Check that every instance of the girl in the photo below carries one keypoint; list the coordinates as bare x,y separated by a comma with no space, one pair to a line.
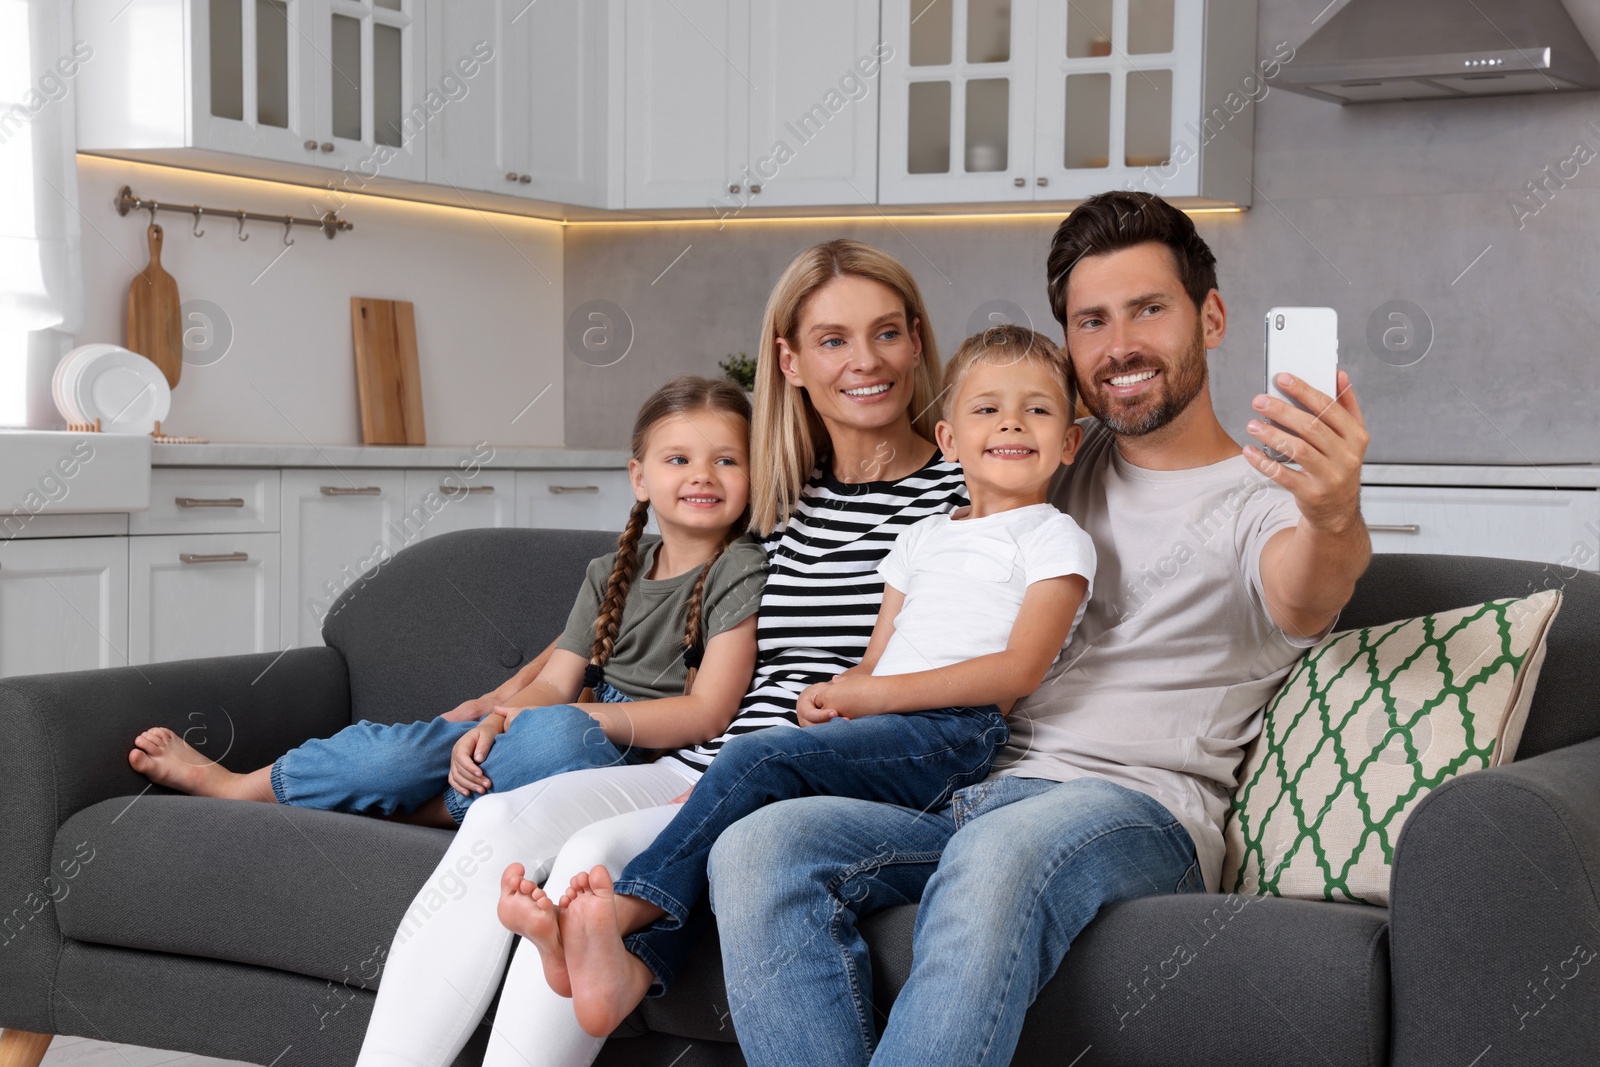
634,637
842,460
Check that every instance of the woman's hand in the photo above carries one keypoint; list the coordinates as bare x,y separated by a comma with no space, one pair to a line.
472,710
470,750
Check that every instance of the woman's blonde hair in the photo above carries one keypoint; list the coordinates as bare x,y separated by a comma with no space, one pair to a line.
683,394
787,437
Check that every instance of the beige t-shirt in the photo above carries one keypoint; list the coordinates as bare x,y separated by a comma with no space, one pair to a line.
1162,684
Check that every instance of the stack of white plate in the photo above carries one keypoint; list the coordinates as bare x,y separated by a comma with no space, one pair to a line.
125,391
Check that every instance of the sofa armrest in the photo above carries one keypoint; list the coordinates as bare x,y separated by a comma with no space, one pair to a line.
64,743
1495,919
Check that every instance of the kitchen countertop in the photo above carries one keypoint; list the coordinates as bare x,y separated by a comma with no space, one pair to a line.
1565,476
221,454
1573,476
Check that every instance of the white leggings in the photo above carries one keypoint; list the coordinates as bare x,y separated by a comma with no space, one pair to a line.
450,950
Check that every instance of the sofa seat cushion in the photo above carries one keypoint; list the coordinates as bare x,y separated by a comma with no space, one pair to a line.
1172,980
311,892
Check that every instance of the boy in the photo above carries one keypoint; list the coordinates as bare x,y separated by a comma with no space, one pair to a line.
994,587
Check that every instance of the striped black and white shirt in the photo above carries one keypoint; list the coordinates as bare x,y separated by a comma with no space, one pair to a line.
823,588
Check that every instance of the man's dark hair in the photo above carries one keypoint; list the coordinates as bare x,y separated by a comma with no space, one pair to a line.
1121,219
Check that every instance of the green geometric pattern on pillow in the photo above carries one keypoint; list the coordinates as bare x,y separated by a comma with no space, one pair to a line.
1367,725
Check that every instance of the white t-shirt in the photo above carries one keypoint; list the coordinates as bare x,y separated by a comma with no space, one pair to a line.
1162,685
964,580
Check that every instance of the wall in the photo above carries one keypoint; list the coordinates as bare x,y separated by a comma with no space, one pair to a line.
487,290
1356,206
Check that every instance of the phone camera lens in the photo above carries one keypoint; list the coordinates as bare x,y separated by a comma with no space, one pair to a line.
1279,323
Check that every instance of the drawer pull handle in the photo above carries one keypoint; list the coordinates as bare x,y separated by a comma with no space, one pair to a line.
574,488
1394,527
211,502
457,490
344,490
214,557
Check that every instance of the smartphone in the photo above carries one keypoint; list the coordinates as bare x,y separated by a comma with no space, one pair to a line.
1303,342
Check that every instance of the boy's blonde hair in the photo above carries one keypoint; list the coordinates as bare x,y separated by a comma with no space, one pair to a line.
1005,345
787,435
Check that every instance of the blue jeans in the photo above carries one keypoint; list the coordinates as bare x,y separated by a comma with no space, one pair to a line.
915,760
376,769
1007,874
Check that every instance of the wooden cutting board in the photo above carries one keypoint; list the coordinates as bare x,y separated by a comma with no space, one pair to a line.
155,328
386,371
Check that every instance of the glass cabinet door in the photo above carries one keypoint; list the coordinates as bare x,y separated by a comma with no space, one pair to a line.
957,106
252,90
369,100
1113,80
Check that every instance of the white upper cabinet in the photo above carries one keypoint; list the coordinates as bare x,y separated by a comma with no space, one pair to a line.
329,83
1025,100
525,92
735,103
687,101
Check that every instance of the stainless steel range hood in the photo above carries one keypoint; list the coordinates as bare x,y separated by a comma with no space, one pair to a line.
1374,50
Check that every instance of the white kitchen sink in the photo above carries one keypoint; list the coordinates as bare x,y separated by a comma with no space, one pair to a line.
60,472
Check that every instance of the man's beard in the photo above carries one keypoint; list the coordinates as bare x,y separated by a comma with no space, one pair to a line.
1181,383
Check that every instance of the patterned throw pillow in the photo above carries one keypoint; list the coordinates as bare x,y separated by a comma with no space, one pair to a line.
1367,724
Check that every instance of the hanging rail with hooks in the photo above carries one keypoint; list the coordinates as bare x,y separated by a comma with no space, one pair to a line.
329,223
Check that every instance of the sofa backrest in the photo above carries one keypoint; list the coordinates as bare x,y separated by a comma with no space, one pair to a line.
1565,708
451,617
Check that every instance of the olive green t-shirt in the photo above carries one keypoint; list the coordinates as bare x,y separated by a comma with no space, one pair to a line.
647,660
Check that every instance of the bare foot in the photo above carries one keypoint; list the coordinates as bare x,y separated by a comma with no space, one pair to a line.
525,909
608,981
167,759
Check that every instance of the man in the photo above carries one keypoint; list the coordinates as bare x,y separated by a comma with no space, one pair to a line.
1212,582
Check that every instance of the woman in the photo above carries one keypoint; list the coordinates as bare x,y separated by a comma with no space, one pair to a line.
843,459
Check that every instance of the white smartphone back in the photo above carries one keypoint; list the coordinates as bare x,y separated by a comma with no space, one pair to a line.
1304,342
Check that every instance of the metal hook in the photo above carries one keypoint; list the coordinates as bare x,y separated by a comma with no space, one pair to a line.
288,220
198,211
150,205
242,235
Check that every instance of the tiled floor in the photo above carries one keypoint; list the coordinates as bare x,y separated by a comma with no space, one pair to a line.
84,1052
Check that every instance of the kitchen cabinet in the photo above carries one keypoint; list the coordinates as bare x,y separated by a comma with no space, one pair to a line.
63,604
334,84
195,595
729,103
337,525
441,501
1558,526
574,499
525,106
1029,100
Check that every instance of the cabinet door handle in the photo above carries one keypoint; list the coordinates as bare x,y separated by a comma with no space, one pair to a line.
345,490
327,146
1394,527
1041,181
574,488
525,178
1019,182
457,490
733,187
755,187
213,557
211,502
512,176
311,146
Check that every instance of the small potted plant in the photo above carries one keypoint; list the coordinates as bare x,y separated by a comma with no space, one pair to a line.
741,370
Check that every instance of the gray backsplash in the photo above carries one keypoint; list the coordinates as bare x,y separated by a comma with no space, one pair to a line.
1355,207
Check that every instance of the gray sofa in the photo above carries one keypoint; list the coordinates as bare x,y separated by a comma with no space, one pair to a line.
256,932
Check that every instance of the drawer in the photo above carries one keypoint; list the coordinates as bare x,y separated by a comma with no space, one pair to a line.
574,499
440,501
209,500
1560,526
193,595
